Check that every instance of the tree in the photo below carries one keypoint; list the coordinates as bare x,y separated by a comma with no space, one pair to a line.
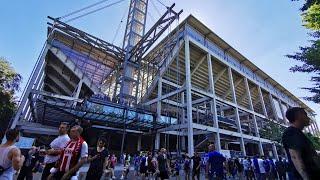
9,84
272,131
315,140
311,17
309,56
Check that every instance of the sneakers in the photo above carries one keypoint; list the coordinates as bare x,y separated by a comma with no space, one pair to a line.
122,177
113,177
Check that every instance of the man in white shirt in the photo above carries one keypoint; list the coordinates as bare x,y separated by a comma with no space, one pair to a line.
56,147
73,156
262,169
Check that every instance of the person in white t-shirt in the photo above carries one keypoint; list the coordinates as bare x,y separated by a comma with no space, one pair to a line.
56,147
73,156
262,169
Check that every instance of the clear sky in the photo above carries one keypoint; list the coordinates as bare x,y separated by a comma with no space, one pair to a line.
262,30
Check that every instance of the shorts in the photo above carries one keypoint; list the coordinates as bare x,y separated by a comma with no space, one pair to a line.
164,175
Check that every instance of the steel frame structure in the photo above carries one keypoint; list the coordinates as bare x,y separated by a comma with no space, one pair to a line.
196,87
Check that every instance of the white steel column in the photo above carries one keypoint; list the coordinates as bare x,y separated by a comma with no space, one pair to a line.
273,107
242,146
213,103
183,121
275,152
254,116
157,142
157,139
312,128
35,74
262,102
282,110
77,93
139,142
189,97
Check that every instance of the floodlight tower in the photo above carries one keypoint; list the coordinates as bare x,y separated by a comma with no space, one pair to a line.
135,30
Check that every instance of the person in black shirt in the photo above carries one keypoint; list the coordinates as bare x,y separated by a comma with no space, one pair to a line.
98,159
196,166
163,164
302,156
281,169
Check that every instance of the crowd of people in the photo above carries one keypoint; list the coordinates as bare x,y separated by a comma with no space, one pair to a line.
68,152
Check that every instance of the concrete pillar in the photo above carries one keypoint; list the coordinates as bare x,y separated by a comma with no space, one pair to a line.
242,145
189,97
213,104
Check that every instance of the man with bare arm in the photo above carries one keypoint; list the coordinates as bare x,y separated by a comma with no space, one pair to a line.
72,157
302,156
10,156
56,147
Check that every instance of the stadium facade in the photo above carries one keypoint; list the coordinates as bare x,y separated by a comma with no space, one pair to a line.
191,89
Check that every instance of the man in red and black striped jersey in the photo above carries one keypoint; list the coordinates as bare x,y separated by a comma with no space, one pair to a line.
73,156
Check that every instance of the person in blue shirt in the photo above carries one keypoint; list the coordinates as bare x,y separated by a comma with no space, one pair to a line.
136,162
256,167
215,162
273,172
266,166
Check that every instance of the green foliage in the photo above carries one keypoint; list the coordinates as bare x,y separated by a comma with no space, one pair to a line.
309,56
272,131
311,17
315,140
9,84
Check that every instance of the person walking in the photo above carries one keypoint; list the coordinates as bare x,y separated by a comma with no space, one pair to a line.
152,165
163,164
186,166
300,151
72,157
143,166
215,162
31,161
280,168
247,166
113,161
273,172
98,159
11,158
56,146
262,168
196,166
239,167
266,166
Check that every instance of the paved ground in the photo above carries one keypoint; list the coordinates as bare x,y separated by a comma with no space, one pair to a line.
118,171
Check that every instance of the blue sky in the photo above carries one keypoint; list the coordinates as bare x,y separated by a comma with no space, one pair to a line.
264,31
